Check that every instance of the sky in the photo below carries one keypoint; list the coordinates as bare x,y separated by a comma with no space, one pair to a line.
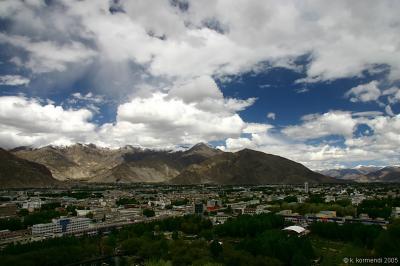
317,82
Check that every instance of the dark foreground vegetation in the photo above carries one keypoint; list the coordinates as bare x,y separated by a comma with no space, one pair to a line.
192,240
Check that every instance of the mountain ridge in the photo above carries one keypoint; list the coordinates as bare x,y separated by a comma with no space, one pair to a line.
199,164
366,174
20,173
249,167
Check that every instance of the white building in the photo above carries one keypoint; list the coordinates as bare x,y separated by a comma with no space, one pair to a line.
306,187
220,218
330,198
62,226
33,203
396,212
357,199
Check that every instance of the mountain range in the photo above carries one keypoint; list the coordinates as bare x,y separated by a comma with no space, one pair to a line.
20,173
197,165
250,167
364,174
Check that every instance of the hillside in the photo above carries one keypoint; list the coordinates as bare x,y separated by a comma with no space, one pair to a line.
249,167
199,164
386,174
19,173
366,174
128,164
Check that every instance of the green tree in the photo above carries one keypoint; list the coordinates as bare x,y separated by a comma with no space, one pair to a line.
148,213
215,248
387,243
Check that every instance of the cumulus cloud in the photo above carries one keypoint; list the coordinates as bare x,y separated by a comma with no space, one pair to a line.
196,90
157,121
341,37
393,95
371,92
160,120
317,126
271,116
380,146
365,92
161,59
28,122
89,97
47,56
13,80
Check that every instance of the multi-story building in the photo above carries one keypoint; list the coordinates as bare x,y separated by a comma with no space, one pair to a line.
32,204
357,199
330,198
249,211
220,218
62,226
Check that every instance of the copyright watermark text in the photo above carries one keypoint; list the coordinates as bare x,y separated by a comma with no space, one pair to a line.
371,260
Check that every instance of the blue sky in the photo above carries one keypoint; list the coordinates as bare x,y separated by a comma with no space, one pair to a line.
314,82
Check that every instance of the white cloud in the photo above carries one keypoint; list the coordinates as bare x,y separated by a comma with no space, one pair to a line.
380,145
316,126
161,59
271,116
89,97
186,113
48,56
393,95
160,120
364,93
255,128
389,110
371,92
196,90
27,122
14,80
341,37
367,114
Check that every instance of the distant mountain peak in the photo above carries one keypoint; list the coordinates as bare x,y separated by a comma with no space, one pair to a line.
201,145
201,163
20,148
202,149
248,167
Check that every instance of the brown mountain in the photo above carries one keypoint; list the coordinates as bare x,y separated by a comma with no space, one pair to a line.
128,164
366,174
249,167
19,173
199,164
386,174
76,162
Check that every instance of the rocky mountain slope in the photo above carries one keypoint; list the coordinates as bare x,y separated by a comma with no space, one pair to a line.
366,174
386,174
249,167
19,173
127,164
199,164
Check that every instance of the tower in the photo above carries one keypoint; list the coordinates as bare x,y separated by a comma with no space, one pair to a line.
306,187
